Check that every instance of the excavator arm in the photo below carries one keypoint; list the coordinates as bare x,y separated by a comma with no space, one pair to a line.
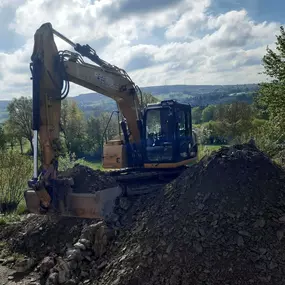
52,71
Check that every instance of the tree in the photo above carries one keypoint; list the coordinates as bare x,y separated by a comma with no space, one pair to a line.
272,93
235,119
3,138
208,113
98,131
147,98
20,118
74,127
196,115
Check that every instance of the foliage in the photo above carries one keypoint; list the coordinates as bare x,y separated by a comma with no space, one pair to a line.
20,119
235,120
206,150
3,138
268,138
73,127
212,133
208,113
272,94
196,115
147,98
271,135
15,171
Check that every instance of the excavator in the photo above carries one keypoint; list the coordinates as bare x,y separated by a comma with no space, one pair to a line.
156,144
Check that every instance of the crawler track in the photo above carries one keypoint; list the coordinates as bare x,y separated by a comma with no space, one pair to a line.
140,182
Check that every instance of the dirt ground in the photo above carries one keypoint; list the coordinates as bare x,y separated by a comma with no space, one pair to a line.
10,277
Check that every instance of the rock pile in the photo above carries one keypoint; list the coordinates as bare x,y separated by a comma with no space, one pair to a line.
87,180
221,222
80,260
37,236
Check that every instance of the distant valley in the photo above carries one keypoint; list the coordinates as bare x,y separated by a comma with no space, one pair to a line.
196,95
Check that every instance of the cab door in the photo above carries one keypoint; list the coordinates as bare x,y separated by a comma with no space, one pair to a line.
183,133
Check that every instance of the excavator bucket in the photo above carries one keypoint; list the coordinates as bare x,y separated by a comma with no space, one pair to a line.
98,205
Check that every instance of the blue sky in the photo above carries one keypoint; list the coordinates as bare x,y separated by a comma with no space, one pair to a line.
157,42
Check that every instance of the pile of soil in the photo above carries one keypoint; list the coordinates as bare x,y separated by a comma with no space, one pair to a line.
38,236
87,180
220,222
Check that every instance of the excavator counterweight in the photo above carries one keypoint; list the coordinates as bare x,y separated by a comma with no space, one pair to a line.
158,140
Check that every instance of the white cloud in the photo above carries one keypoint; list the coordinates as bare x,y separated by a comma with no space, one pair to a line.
236,29
192,45
191,19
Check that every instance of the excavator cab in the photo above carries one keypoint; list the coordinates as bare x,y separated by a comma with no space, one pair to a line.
169,140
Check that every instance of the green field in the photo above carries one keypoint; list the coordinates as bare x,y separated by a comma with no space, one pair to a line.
203,150
207,149
93,165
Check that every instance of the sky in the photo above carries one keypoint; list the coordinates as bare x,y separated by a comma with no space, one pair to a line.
157,42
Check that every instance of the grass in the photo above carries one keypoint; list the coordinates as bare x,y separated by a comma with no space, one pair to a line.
93,165
207,150
14,216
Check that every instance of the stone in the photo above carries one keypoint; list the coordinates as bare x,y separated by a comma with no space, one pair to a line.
282,219
63,270
124,203
70,282
280,235
244,233
9,260
46,264
74,254
80,246
84,274
259,223
197,246
53,279
85,242
240,241
102,265
24,264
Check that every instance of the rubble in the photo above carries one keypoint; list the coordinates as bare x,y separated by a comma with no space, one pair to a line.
38,236
220,222
79,262
87,180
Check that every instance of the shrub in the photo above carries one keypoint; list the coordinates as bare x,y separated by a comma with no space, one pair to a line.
15,171
68,161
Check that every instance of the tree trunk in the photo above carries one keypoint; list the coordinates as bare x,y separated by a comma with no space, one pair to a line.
21,145
32,146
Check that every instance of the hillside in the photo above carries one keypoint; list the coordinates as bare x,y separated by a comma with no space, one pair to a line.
196,95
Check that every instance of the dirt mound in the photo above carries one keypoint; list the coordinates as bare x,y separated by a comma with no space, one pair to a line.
38,236
221,222
87,180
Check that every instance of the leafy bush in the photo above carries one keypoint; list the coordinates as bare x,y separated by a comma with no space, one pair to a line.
69,161
15,171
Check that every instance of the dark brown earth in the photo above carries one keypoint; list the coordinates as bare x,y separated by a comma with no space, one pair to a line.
87,180
37,236
220,222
